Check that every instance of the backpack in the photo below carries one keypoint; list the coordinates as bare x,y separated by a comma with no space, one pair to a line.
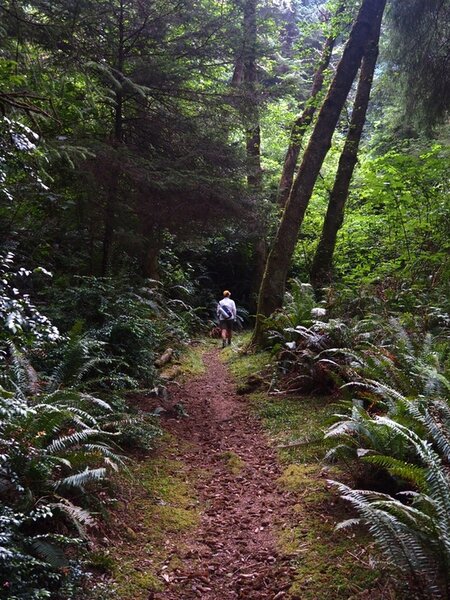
225,312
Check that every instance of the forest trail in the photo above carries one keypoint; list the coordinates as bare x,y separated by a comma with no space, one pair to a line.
232,554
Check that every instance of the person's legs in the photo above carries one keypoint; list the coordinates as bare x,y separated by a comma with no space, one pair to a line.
226,328
224,333
229,330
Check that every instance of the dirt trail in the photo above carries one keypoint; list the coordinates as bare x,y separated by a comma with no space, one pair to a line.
232,554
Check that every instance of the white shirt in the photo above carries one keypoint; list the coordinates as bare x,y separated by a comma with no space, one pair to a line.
229,304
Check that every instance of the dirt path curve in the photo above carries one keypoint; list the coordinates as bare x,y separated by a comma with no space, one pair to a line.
232,554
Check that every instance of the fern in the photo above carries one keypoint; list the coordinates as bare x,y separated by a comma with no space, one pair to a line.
49,552
415,535
78,517
79,480
400,469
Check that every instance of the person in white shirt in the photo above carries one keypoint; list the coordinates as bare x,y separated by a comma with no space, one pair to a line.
226,313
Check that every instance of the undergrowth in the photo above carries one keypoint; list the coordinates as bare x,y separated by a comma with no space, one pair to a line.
67,427
387,371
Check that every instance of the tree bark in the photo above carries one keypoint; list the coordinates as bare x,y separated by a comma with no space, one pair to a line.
304,120
253,131
278,263
321,270
150,267
113,188
260,250
246,75
109,219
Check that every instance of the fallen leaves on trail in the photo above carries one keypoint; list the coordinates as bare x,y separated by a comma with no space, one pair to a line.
232,555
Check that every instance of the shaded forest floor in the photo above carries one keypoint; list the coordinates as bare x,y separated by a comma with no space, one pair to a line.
227,509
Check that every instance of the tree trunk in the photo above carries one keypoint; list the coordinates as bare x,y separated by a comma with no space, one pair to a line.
304,120
252,127
109,219
253,131
113,188
151,263
323,259
260,250
273,285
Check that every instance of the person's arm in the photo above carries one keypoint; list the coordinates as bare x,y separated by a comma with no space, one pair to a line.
233,310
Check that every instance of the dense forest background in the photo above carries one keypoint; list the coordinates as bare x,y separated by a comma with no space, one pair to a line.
135,163
151,155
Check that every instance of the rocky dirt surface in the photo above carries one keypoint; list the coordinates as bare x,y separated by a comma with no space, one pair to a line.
233,553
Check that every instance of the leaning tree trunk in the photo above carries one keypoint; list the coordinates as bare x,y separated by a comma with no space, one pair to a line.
323,259
279,261
302,123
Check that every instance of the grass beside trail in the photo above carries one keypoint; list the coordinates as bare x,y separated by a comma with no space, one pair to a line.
189,363
153,502
330,564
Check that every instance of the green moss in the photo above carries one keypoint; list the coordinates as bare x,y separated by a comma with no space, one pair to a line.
296,425
189,364
329,564
134,584
243,365
101,561
233,461
161,478
304,479
158,503
296,477
173,519
191,361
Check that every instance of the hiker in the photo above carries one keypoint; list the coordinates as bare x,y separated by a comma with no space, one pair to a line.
226,313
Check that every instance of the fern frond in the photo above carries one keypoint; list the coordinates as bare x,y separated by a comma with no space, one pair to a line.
79,517
79,480
75,439
49,552
399,468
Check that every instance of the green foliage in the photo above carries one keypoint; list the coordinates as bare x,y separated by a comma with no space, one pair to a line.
116,330
297,310
58,446
393,435
127,112
20,319
395,230
54,452
34,566
412,529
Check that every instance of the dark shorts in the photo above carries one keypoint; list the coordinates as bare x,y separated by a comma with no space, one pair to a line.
226,324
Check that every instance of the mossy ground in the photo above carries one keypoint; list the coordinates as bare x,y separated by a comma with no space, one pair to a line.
243,364
329,564
191,361
188,364
155,502
234,463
